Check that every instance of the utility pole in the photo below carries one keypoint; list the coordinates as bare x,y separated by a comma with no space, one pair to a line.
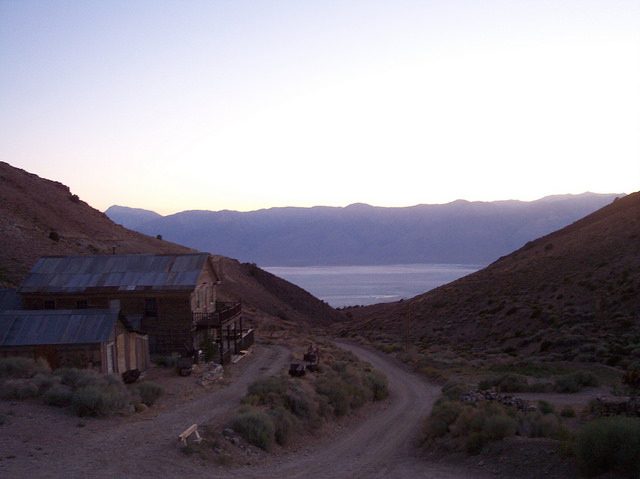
406,327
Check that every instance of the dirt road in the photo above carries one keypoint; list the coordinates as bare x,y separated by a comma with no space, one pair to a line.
379,446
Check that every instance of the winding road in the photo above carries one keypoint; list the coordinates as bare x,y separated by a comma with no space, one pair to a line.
381,446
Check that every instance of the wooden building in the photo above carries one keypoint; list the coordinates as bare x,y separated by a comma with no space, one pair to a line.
88,338
171,298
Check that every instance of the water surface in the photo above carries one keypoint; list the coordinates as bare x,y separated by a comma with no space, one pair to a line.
363,285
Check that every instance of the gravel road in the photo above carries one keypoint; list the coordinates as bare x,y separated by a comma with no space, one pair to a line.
380,446
383,445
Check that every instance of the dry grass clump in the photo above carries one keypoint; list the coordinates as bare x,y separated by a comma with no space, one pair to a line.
255,426
148,391
58,395
18,389
103,399
85,391
19,368
458,426
516,383
610,445
576,382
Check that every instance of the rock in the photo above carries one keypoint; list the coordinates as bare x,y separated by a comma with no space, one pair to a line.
141,407
228,432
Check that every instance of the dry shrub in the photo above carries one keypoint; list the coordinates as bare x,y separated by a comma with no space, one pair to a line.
336,391
610,444
58,395
77,378
100,400
255,427
573,383
20,368
18,389
284,423
378,385
149,392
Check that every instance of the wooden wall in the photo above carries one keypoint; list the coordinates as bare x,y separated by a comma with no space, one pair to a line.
170,331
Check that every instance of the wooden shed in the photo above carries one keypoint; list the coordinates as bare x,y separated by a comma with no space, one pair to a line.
88,338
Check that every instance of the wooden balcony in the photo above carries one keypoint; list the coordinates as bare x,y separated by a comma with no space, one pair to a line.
224,313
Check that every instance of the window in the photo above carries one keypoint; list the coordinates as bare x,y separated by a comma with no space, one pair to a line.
82,304
49,304
150,307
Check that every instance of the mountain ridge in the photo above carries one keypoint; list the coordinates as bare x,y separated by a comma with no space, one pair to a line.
462,232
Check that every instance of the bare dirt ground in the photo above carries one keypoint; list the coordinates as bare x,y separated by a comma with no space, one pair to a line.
44,442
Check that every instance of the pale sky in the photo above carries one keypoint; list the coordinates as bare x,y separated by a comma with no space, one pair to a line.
175,105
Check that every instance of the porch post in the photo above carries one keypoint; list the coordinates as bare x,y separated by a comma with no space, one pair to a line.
235,337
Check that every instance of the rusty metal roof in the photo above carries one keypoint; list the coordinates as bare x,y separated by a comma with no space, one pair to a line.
126,272
38,327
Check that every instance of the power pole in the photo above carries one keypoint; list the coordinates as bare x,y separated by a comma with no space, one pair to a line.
406,327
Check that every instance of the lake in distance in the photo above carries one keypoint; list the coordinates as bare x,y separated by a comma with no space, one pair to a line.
363,285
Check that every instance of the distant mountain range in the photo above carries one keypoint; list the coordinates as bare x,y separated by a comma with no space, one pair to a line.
359,234
571,295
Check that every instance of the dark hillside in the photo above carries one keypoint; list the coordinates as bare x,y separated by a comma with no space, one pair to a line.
275,296
573,294
40,217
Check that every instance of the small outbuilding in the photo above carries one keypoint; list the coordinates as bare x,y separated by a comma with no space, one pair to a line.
83,338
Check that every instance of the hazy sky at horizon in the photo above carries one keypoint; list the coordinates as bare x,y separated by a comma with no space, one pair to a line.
172,105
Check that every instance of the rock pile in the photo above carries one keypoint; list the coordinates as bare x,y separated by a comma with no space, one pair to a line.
616,406
504,399
212,372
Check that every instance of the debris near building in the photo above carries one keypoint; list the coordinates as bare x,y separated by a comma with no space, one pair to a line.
211,374
310,362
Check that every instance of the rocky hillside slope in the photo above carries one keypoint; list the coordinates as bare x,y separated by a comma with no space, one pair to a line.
573,294
40,217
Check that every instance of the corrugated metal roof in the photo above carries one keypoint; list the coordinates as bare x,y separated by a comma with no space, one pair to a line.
128,272
80,326
9,299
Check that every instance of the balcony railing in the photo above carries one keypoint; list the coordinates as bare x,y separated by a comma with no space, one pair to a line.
235,342
224,313
227,311
246,340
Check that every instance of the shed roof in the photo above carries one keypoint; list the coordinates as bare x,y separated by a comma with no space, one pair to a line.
126,272
35,327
